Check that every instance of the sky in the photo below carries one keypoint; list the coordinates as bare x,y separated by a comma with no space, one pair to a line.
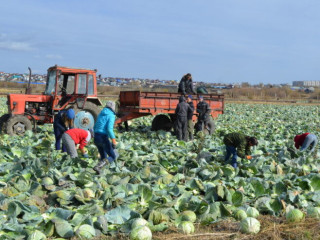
218,41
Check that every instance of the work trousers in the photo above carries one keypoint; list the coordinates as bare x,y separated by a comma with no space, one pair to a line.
310,140
104,147
70,145
231,151
190,129
58,135
182,128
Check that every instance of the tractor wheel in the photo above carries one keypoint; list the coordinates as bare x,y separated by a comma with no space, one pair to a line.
3,119
18,125
161,122
86,117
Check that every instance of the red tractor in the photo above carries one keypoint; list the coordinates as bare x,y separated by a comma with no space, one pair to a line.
65,88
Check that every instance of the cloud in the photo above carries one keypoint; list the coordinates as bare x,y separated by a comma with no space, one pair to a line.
53,56
15,46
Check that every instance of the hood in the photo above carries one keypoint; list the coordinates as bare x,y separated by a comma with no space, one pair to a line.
111,105
181,99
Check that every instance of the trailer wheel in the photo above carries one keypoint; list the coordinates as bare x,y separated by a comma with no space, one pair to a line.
161,122
86,117
3,119
18,125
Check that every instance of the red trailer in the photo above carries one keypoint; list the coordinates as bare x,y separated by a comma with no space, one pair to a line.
135,104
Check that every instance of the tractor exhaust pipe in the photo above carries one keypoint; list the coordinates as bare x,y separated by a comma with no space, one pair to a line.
28,89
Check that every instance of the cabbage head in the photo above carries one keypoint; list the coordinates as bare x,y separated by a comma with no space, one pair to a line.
188,216
252,212
294,215
240,215
314,212
186,227
85,231
139,222
141,233
250,225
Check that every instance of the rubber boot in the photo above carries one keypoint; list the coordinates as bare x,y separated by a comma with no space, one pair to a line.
100,165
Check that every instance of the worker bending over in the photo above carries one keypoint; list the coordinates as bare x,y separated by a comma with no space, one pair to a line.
305,140
76,136
238,144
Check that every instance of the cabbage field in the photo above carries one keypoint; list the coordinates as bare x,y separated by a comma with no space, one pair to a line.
160,182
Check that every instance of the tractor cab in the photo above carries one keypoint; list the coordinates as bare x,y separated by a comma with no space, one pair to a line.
70,85
65,88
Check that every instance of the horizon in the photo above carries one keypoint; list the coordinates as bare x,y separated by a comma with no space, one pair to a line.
217,41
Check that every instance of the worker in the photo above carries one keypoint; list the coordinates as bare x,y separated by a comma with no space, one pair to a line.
303,141
238,144
63,121
203,110
75,136
186,85
181,111
190,115
103,130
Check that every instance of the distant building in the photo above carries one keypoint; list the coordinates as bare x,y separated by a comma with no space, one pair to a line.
306,83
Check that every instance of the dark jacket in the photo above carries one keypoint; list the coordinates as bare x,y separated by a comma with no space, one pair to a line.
182,108
58,124
190,112
203,109
239,141
186,86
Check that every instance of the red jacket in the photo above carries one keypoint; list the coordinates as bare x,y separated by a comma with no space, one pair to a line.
299,139
79,136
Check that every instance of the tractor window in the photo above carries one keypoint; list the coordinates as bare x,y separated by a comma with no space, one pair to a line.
65,84
51,80
90,85
68,83
82,83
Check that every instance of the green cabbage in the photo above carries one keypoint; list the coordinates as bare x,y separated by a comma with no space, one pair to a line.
250,225
139,222
188,216
141,233
186,227
313,212
240,215
294,215
85,232
252,212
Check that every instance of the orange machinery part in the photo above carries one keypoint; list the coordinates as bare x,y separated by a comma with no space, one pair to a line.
134,104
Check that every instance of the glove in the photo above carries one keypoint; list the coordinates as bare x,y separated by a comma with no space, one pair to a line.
113,146
249,157
114,142
85,155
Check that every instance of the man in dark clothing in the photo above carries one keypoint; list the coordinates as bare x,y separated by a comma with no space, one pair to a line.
182,119
238,144
190,115
186,85
203,110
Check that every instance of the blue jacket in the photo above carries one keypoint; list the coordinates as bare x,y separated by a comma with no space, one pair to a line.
105,122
